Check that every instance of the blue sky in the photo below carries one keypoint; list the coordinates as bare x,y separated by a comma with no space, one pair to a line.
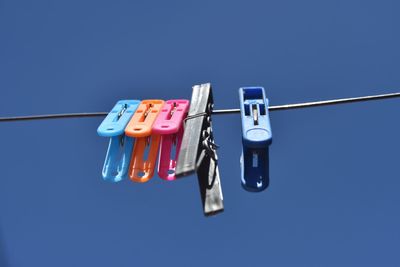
334,173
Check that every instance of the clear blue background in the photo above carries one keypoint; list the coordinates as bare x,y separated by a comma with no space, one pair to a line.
335,190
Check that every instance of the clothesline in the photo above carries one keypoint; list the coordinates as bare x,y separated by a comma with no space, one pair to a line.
215,112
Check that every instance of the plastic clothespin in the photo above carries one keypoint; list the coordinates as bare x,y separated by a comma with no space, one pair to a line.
169,124
198,150
256,138
143,161
120,147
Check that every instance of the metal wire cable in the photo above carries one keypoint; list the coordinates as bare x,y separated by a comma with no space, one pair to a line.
318,103
214,112
54,116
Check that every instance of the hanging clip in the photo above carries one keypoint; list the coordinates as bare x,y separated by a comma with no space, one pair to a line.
169,124
256,138
198,150
144,153
120,147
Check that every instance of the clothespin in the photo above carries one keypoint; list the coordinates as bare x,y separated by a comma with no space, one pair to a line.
256,138
169,124
120,147
144,154
198,150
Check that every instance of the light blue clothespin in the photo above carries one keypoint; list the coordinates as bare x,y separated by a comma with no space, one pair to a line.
120,147
256,138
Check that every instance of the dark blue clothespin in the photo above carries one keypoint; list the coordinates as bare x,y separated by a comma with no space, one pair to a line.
256,138
120,147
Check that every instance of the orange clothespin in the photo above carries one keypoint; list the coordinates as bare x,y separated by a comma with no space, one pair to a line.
142,164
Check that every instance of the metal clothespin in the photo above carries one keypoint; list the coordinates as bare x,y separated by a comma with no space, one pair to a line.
120,146
169,124
256,138
198,150
144,155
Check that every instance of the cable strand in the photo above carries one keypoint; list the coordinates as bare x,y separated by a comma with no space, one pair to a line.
214,112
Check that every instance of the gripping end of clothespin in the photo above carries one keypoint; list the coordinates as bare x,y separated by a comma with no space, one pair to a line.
115,122
256,138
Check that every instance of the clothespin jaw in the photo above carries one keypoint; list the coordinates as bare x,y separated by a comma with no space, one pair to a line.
119,150
256,138
169,125
141,168
198,150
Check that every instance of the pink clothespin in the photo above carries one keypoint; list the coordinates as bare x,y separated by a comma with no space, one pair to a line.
169,124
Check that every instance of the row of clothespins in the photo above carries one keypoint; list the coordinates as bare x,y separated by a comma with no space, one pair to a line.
178,135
